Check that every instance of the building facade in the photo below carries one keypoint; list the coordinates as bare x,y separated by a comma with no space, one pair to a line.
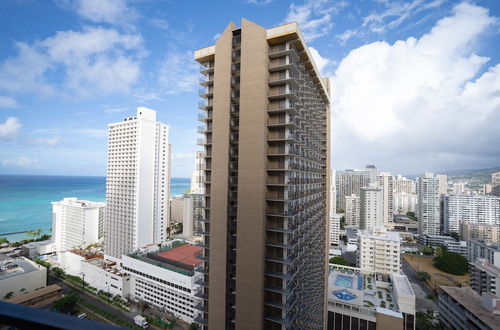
404,203
373,173
76,223
137,183
371,206
386,182
428,207
474,209
488,233
404,185
495,183
485,277
464,309
20,275
349,182
198,176
334,229
379,251
483,250
266,165
352,210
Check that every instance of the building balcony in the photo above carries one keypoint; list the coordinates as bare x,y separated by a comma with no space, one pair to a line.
205,117
201,307
206,92
205,105
207,80
206,68
201,295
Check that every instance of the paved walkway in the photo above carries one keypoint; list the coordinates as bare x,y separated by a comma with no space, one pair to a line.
420,289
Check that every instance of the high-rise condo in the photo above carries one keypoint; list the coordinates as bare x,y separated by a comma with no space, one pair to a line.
137,184
266,163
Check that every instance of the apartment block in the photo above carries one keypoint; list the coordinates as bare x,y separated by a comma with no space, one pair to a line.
352,210
428,207
198,176
20,275
137,183
485,277
372,172
265,227
464,309
483,250
192,213
386,182
404,185
495,183
489,233
334,229
349,182
77,223
474,209
379,251
404,203
165,278
371,205
360,299
443,183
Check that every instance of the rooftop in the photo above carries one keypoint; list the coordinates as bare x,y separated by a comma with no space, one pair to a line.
185,254
472,301
11,267
73,201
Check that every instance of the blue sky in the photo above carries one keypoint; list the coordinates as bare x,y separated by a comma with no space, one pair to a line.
416,84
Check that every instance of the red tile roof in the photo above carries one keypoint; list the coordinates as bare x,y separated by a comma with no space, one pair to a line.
185,254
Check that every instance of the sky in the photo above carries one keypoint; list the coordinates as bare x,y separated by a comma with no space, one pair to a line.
415,84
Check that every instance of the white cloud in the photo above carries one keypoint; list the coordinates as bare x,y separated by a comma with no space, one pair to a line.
417,100
346,35
115,110
92,132
314,17
178,73
10,128
322,63
8,102
182,155
22,161
52,141
259,2
396,12
115,12
93,61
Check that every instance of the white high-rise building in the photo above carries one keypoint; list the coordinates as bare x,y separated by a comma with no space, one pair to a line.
443,183
428,207
404,185
379,251
352,210
458,188
474,209
191,214
495,183
371,204
333,193
76,223
334,229
404,203
137,183
198,176
386,182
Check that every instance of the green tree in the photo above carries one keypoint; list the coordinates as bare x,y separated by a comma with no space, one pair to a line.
411,215
8,295
342,222
29,234
451,263
3,240
37,233
65,304
339,261
424,276
194,326
23,290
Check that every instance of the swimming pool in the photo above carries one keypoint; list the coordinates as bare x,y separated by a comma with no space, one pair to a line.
344,294
344,281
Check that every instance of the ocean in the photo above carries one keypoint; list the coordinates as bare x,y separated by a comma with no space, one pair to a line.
25,199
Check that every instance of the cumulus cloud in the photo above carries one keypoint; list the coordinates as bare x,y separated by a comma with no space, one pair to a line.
314,17
22,161
10,128
420,102
47,141
93,61
7,102
178,73
322,63
116,12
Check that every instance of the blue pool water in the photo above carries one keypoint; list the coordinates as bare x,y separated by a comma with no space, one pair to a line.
344,295
360,282
344,281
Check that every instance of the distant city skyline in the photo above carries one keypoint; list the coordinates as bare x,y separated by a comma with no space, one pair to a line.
81,65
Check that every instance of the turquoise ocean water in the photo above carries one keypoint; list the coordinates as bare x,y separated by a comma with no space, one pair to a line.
25,199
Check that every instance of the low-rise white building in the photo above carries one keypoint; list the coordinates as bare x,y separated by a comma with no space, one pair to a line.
20,275
35,249
165,278
457,247
76,223
379,251
106,275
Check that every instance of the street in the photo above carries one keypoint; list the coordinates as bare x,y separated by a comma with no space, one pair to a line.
419,288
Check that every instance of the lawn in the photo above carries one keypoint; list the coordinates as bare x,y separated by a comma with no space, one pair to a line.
438,277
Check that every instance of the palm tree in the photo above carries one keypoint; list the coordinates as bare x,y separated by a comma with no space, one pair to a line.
37,233
23,290
29,233
8,295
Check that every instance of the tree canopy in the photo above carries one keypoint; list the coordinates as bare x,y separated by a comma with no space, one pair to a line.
451,263
339,261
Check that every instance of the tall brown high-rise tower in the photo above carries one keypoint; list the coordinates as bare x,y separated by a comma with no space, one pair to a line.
267,159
